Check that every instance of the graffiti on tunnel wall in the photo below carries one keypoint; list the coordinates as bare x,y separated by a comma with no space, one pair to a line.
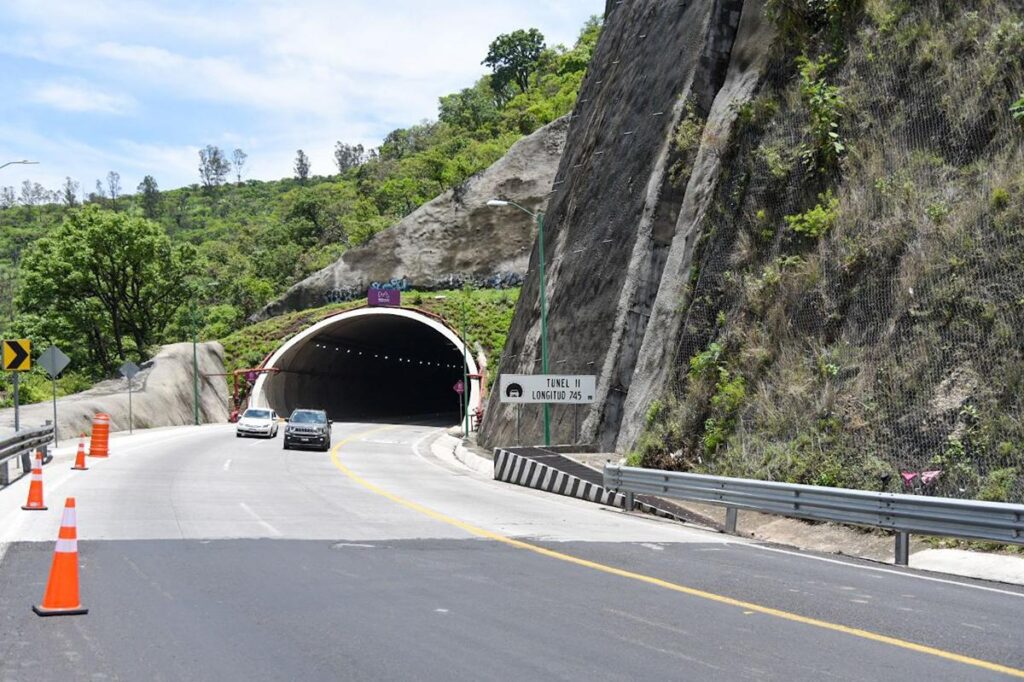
454,280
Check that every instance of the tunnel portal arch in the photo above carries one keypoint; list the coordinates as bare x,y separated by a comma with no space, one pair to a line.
370,364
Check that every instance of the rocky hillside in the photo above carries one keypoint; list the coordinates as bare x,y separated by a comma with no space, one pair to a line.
452,240
788,238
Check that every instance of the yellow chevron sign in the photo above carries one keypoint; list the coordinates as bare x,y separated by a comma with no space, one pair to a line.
17,355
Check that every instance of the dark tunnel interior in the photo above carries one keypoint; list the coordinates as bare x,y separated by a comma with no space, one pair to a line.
370,368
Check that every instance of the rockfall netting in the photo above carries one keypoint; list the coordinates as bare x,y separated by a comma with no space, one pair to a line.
856,303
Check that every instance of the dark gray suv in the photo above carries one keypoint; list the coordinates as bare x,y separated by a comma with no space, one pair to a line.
308,429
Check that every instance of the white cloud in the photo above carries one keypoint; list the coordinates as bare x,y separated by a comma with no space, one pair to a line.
82,97
269,76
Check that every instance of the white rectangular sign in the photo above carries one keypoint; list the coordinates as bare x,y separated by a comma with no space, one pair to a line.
548,388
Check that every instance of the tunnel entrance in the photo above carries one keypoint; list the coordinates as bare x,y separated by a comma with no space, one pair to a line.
370,364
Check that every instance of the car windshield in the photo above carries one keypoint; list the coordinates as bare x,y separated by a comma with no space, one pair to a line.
257,414
307,417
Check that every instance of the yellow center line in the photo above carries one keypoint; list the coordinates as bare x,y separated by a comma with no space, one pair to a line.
650,580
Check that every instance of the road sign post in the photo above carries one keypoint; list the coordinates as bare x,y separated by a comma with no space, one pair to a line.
460,388
128,371
53,360
17,358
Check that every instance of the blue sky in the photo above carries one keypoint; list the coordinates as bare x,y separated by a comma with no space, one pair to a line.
138,87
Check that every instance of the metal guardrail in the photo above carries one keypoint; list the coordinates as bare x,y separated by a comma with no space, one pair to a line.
22,444
904,514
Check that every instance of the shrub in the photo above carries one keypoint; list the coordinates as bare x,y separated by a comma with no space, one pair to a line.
816,221
825,106
1017,109
1000,198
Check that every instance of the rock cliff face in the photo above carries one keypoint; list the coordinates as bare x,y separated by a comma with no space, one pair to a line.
453,239
790,246
620,226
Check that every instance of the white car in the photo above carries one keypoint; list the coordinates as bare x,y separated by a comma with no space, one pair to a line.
257,421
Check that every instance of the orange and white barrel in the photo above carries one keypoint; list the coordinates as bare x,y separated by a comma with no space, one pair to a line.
99,444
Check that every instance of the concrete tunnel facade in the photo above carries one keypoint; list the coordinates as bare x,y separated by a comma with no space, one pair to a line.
370,364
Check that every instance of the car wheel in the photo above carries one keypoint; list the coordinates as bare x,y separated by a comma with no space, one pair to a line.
237,435
287,446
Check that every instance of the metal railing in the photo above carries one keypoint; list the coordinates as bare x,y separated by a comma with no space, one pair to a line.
22,443
904,514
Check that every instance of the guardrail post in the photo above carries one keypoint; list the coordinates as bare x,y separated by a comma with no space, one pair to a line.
26,461
5,477
630,502
902,548
730,520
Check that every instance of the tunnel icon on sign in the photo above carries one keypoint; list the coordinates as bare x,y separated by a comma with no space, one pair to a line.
514,391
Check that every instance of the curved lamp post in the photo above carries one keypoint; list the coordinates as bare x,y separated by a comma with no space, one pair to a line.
539,217
11,163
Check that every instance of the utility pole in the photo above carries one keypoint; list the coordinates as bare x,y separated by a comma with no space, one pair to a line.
464,398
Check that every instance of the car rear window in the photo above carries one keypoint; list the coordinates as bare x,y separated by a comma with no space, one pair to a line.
257,414
307,417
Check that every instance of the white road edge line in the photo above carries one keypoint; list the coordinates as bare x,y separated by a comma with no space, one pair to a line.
879,569
248,510
227,465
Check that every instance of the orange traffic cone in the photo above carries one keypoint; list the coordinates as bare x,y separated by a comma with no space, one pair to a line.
61,598
80,457
35,489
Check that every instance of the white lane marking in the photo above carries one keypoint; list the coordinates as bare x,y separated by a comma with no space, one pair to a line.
652,546
227,465
351,544
3,551
879,569
440,610
248,510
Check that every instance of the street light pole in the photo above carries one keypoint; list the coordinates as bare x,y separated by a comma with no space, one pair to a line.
11,163
539,217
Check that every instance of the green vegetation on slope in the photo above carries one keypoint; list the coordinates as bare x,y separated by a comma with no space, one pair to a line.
855,296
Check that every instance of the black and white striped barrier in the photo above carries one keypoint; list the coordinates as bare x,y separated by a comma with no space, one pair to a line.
530,473
519,470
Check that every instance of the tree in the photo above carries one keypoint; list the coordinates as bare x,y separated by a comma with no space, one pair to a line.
512,58
32,193
114,186
213,167
301,166
111,280
348,156
99,195
150,196
7,197
69,193
238,158
472,109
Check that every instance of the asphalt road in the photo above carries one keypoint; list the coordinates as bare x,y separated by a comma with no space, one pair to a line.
208,557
